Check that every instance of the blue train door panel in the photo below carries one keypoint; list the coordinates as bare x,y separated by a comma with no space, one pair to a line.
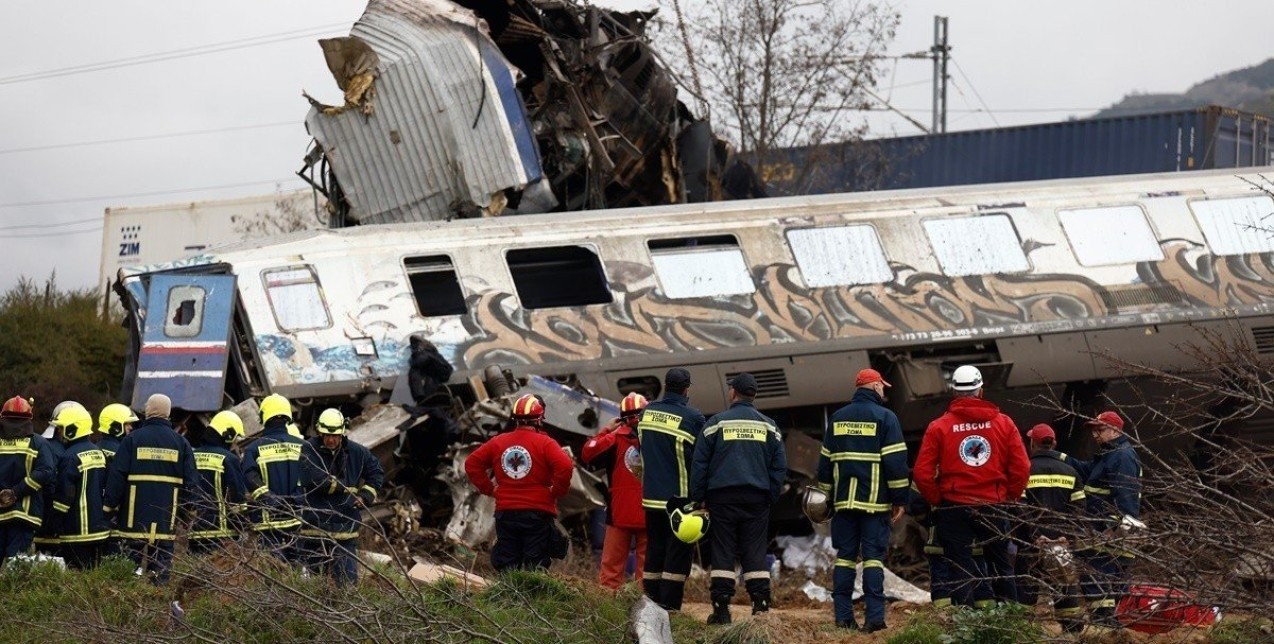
184,349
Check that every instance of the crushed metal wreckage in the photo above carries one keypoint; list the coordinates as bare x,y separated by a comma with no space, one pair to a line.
479,108
424,449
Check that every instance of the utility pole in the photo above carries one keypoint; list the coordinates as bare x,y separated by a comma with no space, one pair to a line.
941,53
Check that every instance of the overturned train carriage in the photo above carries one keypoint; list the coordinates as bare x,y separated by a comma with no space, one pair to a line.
1045,285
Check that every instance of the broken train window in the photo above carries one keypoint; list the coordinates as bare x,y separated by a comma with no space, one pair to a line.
707,266
839,256
435,286
185,311
296,298
558,276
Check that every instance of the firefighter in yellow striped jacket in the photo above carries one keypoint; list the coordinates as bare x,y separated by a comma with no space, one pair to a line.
221,491
26,467
152,474
77,491
863,468
272,470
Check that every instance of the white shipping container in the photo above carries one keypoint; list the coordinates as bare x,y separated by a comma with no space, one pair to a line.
141,235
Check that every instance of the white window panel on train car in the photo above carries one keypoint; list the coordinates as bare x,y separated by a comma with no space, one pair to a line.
296,299
1110,235
706,272
839,256
981,245
1236,226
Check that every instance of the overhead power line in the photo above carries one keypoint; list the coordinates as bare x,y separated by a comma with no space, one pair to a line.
149,137
47,202
59,233
50,225
173,54
977,94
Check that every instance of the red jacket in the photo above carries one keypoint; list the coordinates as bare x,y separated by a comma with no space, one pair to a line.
971,455
531,471
618,444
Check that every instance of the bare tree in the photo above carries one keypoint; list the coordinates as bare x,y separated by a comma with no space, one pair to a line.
292,211
774,74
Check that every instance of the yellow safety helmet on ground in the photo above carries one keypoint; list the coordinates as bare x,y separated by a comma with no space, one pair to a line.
74,421
332,421
113,417
275,405
689,525
228,426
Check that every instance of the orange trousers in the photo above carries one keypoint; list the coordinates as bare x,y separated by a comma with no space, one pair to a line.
615,554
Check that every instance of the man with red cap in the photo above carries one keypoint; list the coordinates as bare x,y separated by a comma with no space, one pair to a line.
617,446
1054,498
863,469
971,465
1113,497
26,467
527,472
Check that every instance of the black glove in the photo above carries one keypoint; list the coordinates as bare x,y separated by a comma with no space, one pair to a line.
7,498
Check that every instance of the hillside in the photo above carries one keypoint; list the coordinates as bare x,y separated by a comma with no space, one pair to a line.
1250,89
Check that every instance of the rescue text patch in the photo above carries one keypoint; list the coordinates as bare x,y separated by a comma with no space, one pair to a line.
92,459
210,461
157,454
660,419
847,428
744,432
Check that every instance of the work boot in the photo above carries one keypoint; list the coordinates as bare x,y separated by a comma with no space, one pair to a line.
847,624
720,613
872,627
760,605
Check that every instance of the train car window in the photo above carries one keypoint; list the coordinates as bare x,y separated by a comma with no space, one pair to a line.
839,256
558,276
709,266
1236,226
981,245
296,298
435,286
185,312
1112,235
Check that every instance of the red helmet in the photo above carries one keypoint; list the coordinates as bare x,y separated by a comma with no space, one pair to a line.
529,408
17,407
631,405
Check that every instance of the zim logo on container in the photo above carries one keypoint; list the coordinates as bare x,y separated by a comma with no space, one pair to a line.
516,462
129,245
975,451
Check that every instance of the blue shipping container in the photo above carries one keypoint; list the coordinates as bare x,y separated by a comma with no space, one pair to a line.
1204,138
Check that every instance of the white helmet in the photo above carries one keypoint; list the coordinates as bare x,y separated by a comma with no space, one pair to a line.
966,378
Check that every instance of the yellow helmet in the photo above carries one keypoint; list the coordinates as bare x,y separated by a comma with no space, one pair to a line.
332,421
74,421
295,430
228,425
689,526
112,419
275,405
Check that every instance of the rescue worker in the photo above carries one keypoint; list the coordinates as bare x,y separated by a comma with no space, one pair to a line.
738,472
27,466
863,468
1054,498
152,474
221,493
341,478
272,473
48,539
666,432
527,472
625,519
77,491
428,371
113,423
1112,492
971,465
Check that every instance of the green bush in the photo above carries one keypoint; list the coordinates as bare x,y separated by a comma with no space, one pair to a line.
921,628
999,624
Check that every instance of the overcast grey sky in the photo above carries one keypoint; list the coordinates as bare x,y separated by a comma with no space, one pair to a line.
1029,61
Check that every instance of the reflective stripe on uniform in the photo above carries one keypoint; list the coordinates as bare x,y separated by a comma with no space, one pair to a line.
668,576
31,483
83,538
156,478
148,536
893,449
1101,603
942,602
1103,491
846,563
868,457
1050,480
898,484
873,563
756,574
1077,495
60,506
722,574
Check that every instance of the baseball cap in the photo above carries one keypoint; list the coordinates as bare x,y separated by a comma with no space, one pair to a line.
1107,418
743,383
677,378
868,376
1042,432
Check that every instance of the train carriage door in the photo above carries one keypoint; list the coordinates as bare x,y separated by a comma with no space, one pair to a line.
184,350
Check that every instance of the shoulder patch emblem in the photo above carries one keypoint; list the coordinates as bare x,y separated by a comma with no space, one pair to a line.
516,462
